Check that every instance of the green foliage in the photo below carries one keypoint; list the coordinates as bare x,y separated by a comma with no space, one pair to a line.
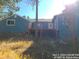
9,6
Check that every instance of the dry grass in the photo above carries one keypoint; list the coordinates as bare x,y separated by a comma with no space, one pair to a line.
13,50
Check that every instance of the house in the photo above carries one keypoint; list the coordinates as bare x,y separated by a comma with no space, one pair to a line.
15,24
67,22
44,29
61,26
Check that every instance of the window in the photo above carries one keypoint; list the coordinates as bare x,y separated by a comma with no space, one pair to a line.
50,25
39,24
10,22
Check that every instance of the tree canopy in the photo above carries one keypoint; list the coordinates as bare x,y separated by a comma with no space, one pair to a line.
7,7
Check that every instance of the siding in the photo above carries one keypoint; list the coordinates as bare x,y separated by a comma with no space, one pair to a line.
61,26
77,26
21,25
43,29
42,26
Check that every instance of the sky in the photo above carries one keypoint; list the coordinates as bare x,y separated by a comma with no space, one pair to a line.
47,8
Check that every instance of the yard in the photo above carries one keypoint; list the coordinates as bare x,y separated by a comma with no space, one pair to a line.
19,46
13,49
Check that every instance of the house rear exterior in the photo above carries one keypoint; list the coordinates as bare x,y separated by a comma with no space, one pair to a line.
62,27
14,23
44,29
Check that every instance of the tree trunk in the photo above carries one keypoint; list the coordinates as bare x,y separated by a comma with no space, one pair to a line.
36,31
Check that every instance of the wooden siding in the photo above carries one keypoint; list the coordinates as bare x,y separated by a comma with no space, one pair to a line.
21,25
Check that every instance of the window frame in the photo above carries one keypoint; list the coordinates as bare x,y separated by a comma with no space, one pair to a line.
50,25
10,24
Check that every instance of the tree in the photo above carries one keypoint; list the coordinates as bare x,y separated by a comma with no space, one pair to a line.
34,3
8,7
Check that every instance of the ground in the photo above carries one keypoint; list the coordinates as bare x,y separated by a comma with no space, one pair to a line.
29,47
14,49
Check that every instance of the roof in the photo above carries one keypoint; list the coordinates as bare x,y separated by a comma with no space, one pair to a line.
17,16
41,20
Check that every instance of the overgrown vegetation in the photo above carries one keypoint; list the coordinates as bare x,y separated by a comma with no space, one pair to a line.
42,48
14,49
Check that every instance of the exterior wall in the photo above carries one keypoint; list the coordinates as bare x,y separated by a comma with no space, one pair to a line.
43,29
77,26
42,26
61,26
68,21
21,25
